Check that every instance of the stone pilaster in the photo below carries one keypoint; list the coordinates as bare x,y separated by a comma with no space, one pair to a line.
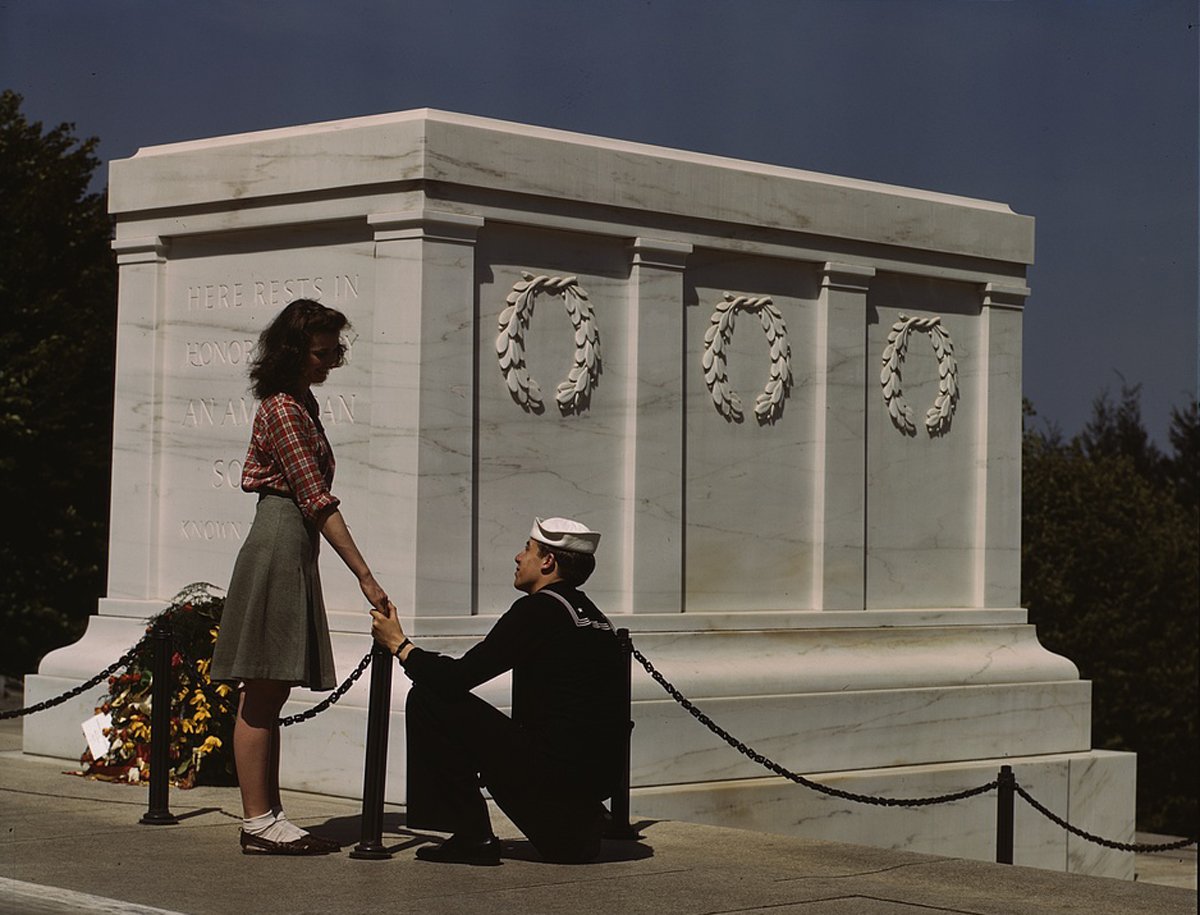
423,369
839,372
998,480
653,510
132,568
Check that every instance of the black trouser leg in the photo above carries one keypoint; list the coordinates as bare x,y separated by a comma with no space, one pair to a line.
554,812
456,742
443,774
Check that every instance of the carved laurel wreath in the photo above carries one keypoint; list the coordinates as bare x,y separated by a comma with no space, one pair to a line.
939,416
768,406
575,392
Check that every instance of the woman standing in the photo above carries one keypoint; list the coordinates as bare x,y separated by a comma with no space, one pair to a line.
274,634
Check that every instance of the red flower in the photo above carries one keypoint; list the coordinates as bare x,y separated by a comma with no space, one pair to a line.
176,659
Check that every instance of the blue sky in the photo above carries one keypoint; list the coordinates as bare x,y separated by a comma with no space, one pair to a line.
1081,114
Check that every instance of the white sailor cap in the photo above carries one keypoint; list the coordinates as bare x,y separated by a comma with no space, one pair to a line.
564,534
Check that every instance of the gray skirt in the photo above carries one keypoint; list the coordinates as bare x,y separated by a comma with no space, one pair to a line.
273,626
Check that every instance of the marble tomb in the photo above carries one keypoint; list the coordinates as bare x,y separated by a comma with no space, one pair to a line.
791,402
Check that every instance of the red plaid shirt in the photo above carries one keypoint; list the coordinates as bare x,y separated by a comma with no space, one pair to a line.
290,454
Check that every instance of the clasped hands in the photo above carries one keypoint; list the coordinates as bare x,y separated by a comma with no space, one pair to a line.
386,628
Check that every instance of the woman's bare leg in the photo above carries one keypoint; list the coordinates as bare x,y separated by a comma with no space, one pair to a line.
256,744
273,771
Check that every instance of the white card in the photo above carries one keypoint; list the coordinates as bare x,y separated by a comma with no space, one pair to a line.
93,730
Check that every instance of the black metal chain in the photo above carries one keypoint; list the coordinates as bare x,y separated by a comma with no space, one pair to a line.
331,698
132,652
766,763
886,801
1107,843
72,693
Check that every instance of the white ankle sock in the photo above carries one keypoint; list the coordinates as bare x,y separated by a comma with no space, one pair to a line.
273,826
284,830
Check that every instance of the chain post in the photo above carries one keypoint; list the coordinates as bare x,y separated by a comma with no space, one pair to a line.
370,845
1005,793
159,813
618,827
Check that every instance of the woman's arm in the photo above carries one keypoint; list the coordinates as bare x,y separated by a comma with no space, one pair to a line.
334,529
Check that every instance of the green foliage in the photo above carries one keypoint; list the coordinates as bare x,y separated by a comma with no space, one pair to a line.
58,300
1109,572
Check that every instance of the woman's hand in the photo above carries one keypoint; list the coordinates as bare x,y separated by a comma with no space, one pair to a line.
386,629
373,592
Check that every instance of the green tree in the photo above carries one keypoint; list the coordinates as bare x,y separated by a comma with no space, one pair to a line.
1183,467
58,298
1116,430
1109,574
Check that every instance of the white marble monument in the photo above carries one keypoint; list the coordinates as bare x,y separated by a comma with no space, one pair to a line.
791,402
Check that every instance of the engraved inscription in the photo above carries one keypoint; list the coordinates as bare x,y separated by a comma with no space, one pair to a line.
345,287
210,530
205,412
227,474
275,293
271,292
216,295
210,411
206,353
338,409
219,352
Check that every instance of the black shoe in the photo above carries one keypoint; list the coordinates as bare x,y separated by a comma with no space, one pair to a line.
456,850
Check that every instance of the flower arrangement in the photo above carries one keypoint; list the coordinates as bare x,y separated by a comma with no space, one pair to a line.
202,713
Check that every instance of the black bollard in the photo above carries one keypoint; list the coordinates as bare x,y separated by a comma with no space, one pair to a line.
370,844
1005,795
618,827
159,813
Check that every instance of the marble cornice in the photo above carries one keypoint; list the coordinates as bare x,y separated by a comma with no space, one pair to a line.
846,277
999,295
657,252
480,153
151,249
425,223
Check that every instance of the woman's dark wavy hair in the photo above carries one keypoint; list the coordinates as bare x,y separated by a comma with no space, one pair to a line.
282,349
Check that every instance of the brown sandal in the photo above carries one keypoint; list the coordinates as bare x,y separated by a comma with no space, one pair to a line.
307,844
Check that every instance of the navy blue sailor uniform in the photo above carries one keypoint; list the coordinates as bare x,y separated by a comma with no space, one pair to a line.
551,764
